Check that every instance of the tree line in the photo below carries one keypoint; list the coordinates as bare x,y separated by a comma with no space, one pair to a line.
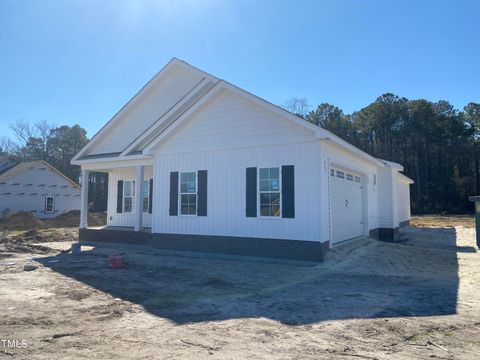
438,145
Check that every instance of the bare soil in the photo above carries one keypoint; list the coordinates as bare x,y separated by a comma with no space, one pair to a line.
24,220
371,300
72,219
443,221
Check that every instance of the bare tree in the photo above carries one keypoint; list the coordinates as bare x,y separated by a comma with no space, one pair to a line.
34,139
22,130
8,146
297,106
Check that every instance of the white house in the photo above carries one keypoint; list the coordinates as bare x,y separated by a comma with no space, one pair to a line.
199,164
36,186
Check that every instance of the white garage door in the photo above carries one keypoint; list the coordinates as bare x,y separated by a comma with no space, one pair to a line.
346,205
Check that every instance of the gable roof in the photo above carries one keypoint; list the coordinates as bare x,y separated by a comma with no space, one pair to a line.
142,145
144,91
7,162
24,166
405,178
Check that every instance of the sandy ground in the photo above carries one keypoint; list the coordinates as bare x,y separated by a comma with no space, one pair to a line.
372,300
443,221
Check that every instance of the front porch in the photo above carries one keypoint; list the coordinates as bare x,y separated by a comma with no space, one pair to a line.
129,200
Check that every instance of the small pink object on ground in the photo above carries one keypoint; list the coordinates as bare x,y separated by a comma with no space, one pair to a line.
115,261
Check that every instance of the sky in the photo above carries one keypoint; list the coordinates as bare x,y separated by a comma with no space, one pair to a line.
78,62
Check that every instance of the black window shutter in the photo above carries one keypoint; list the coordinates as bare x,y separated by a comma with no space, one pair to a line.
119,196
251,193
173,193
288,191
150,196
202,193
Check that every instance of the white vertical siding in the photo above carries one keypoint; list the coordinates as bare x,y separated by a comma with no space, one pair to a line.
227,187
27,191
403,200
124,219
388,199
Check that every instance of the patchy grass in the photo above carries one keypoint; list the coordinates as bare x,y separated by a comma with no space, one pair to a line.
441,221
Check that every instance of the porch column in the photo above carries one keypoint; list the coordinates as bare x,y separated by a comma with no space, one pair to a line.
84,200
139,176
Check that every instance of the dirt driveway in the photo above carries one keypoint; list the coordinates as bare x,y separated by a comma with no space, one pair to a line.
369,299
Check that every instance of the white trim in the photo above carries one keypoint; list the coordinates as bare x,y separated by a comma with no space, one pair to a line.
403,177
363,186
135,99
392,164
132,196
161,120
148,150
179,200
147,197
46,204
259,192
320,133
108,159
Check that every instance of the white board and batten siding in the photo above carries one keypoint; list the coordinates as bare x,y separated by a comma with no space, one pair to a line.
124,219
225,131
27,191
225,138
403,198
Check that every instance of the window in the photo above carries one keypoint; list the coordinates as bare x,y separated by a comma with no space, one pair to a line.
340,174
269,186
49,204
188,193
349,177
332,172
358,179
128,195
146,198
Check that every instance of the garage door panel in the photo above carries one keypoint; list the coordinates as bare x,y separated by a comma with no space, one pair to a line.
346,206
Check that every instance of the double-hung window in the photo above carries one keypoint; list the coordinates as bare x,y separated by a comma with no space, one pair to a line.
188,193
269,191
49,204
128,195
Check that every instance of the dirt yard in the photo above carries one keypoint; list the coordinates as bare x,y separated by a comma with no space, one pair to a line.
370,300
